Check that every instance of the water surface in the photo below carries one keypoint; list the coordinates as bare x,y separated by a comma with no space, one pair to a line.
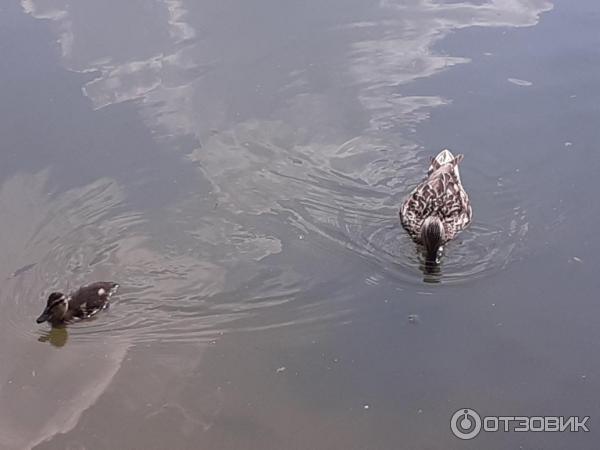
238,166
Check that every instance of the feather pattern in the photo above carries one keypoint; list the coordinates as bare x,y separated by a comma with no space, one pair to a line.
441,194
88,300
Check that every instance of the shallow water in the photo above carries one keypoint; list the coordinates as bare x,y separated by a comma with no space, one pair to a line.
238,167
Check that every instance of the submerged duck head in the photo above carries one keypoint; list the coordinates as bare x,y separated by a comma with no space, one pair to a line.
433,235
56,308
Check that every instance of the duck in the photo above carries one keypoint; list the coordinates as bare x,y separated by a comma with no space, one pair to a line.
439,207
84,303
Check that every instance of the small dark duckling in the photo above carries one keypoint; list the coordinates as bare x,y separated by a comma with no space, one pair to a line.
81,304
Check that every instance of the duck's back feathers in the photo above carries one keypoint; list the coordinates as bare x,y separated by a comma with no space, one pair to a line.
441,195
90,299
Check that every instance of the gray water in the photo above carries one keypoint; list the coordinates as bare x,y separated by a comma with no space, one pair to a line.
238,166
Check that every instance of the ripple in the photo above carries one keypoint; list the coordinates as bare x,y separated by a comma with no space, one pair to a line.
361,221
350,195
173,284
189,272
181,300
203,273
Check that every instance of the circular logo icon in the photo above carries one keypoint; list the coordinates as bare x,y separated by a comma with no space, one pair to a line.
465,423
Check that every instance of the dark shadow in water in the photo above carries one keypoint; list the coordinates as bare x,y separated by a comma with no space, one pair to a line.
432,271
431,267
56,336
22,270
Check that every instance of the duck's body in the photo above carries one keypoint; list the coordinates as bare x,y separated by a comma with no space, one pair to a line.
81,304
438,208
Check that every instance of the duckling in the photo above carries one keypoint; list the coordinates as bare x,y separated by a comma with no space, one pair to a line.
81,304
438,208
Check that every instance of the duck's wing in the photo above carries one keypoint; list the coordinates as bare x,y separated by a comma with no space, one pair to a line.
418,205
454,206
90,299
441,195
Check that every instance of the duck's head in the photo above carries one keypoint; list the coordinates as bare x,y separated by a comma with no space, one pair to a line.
433,235
445,157
56,308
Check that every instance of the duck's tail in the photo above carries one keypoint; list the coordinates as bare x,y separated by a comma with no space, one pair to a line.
446,157
432,236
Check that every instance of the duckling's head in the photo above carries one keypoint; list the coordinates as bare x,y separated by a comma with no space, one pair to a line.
433,235
56,308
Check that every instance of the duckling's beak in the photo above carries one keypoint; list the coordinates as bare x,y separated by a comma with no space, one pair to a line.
44,316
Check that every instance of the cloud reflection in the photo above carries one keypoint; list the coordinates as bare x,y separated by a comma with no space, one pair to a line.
275,141
291,141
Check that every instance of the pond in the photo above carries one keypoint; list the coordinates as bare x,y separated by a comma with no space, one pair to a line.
238,167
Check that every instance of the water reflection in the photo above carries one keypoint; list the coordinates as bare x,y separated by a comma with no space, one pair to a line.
181,90
173,287
300,135
65,239
56,336
432,271
301,157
